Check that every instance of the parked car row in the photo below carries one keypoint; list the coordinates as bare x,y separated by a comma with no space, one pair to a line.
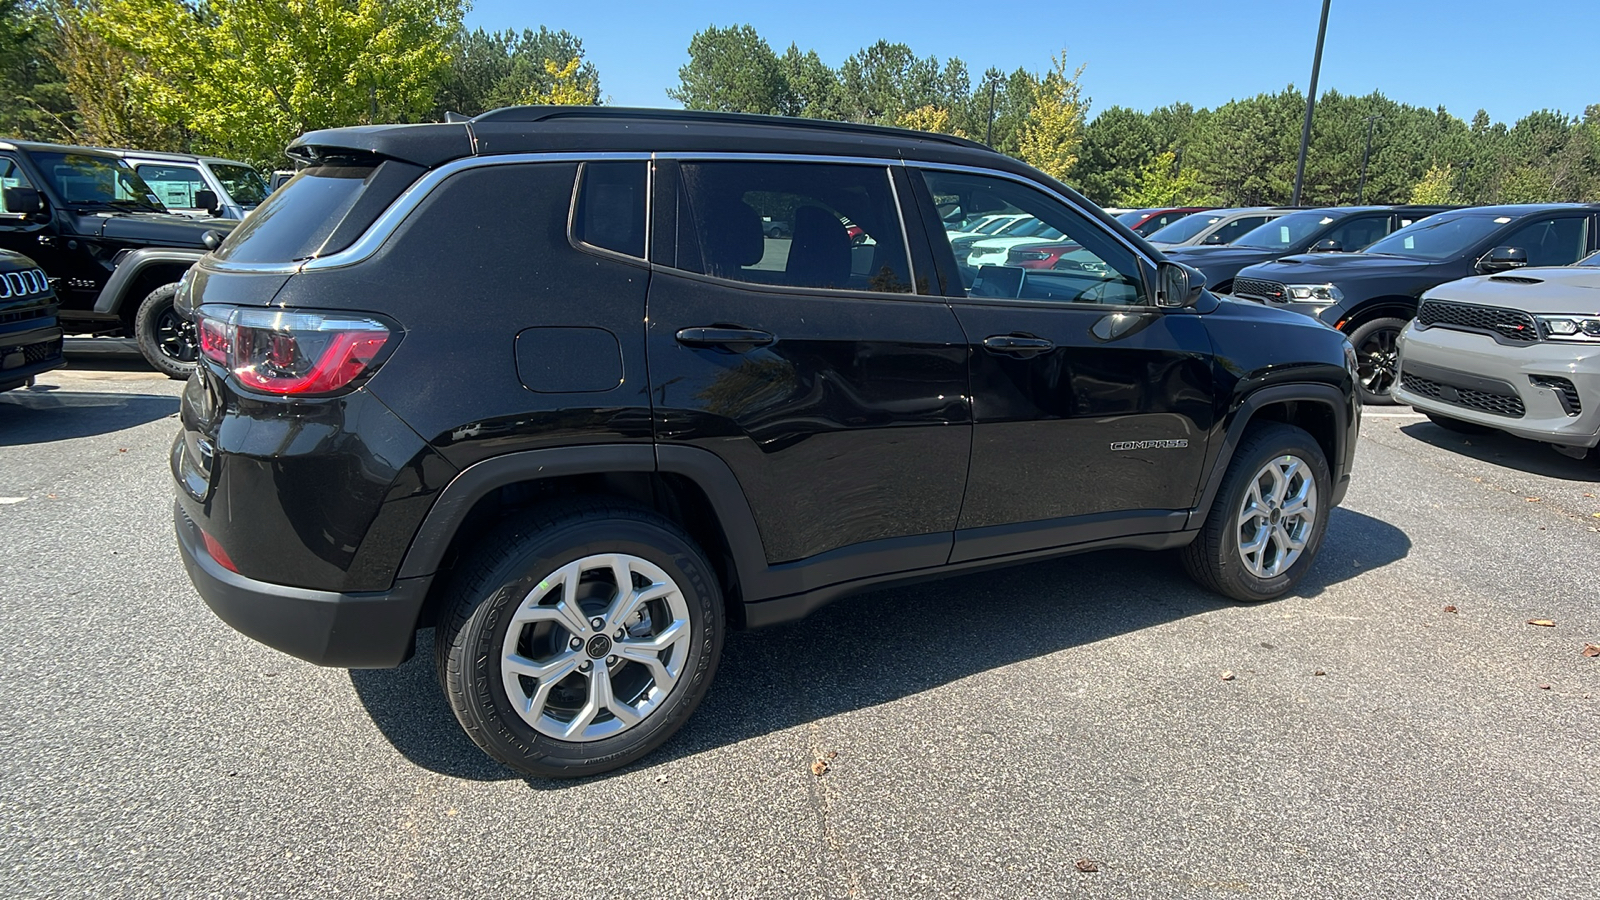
114,231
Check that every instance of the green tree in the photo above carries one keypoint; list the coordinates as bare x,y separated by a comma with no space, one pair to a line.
1436,187
1161,183
1054,127
813,90
489,70
34,100
1245,150
732,70
1117,145
245,77
103,78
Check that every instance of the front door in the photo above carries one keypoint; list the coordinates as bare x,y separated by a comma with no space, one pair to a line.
785,337
1091,407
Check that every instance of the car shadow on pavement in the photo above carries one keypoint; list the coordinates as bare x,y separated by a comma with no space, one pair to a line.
35,416
1500,449
884,645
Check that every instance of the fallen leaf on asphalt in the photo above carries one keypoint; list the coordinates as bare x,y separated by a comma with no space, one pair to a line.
452,812
819,768
1591,515
122,449
833,754
1544,687
1542,623
1227,676
1319,672
1531,499
1450,609
1086,865
1590,650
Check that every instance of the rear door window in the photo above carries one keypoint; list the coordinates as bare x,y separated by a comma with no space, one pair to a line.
1231,232
799,225
1358,232
294,222
175,186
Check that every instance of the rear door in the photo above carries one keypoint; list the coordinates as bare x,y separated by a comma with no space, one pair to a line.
1091,407
834,391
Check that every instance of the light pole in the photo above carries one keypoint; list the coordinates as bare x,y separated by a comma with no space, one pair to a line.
1361,192
1311,105
988,134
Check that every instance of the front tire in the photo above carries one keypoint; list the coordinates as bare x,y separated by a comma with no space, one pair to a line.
553,665
166,339
1377,359
1267,522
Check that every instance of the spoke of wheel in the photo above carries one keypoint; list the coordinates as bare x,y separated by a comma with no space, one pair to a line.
1254,507
602,697
541,694
1256,548
585,716
564,612
1289,541
648,652
1285,479
554,670
630,603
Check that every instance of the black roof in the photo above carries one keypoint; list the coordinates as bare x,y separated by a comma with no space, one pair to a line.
36,146
532,129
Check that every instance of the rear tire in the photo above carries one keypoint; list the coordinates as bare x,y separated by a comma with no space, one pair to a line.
534,682
167,340
1459,426
1377,359
1274,499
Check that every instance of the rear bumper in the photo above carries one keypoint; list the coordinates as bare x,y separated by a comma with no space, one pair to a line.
370,630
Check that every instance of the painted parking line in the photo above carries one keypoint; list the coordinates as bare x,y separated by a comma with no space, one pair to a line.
1367,415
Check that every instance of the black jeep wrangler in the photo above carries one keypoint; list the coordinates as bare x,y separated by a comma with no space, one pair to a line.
30,340
112,251
542,381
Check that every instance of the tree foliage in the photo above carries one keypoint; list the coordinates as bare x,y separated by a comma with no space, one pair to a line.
489,70
34,99
1054,127
732,70
245,77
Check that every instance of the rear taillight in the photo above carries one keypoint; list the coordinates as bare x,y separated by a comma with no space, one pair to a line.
298,353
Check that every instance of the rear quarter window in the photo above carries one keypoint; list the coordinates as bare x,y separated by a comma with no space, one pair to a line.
321,210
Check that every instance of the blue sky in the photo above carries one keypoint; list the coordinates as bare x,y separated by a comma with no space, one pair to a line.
1507,58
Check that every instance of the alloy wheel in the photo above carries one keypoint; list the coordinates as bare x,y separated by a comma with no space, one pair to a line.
1277,517
176,337
1378,361
595,647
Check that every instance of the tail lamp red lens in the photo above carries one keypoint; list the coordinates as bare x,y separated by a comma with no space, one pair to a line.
291,353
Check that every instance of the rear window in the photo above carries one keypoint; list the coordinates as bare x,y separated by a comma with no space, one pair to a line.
294,222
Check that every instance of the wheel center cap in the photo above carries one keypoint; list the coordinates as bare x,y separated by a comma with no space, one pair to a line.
1277,514
598,646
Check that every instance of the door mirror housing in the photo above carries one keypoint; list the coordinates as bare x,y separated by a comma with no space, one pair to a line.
1214,238
207,200
1328,246
1502,258
24,201
1178,285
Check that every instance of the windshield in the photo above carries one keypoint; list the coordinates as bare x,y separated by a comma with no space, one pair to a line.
1285,232
297,219
242,183
1183,229
1439,237
97,182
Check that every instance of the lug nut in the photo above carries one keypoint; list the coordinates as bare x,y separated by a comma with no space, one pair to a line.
621,633
611,660
584,667
598,623
576,643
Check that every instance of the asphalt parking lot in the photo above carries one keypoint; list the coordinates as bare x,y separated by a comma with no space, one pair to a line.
990,736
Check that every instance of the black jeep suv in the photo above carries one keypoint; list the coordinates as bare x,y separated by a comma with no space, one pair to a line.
1371,295
1340,229
30,340
112,251
540,381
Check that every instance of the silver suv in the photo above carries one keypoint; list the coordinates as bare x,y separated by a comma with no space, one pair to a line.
1517,351
199,185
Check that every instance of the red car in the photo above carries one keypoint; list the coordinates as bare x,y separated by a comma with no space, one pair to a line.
1039,256
1146,221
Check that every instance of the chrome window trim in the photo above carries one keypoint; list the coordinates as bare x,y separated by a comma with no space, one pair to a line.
384,226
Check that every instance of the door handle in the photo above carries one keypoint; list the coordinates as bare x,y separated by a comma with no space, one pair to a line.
736,339
1016,345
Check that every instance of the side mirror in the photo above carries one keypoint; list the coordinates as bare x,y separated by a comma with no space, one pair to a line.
1328,246
1178,285
211,239
207,200
23,201
1214,238
1502,258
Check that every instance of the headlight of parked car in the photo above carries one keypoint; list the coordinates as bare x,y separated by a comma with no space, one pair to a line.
1312,292
1570,328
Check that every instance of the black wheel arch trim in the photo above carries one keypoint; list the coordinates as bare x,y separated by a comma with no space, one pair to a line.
1342,407
135,264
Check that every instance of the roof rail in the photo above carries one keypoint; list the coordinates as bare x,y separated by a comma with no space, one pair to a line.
619,113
